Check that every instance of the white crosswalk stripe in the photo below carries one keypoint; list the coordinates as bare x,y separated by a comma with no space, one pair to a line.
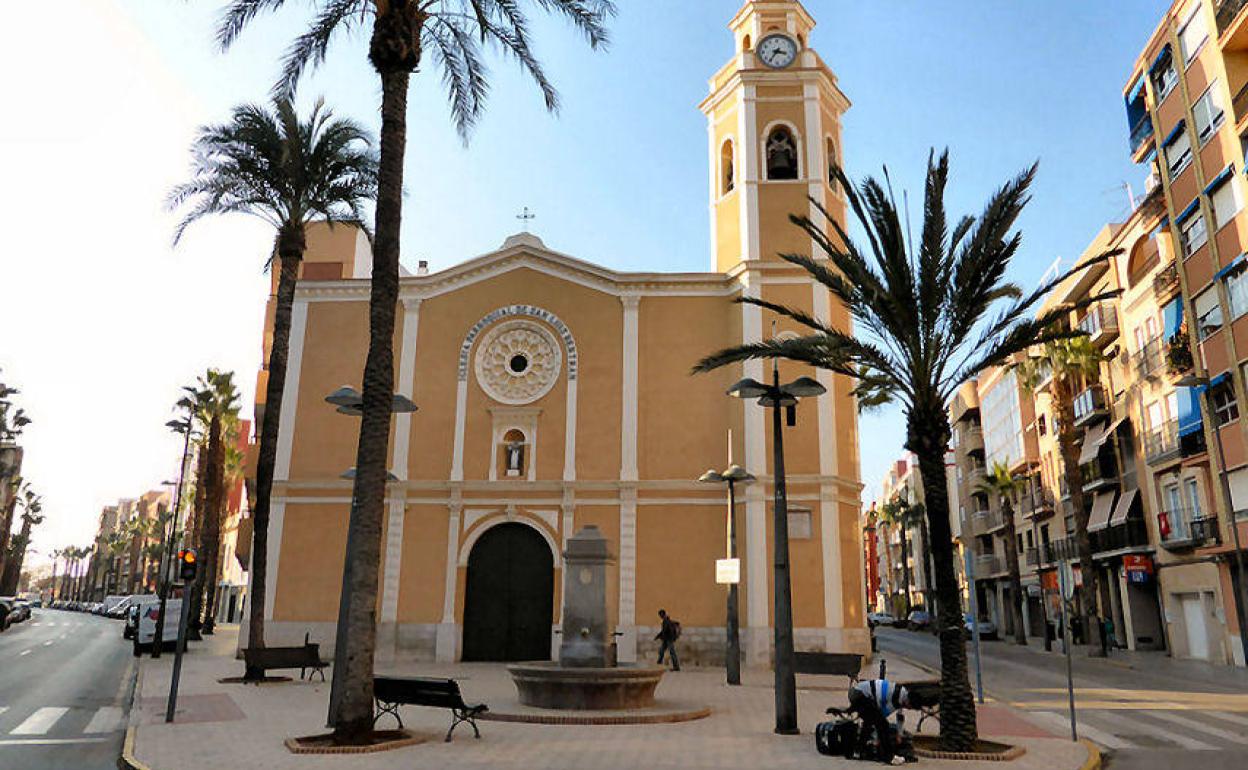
41,721
1130,721
1061,724
1239,719
106,720
1204,726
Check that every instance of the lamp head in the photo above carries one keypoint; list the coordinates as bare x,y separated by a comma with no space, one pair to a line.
748,388
712,477
345,396
737,474
804,387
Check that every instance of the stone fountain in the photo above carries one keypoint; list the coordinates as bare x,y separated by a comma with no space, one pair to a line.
586,676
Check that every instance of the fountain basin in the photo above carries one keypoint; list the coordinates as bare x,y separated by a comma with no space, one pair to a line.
547,685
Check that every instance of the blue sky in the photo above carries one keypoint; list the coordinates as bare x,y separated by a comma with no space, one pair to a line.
618,177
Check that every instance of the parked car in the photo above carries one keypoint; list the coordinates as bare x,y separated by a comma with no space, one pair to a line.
880,619
987,629
919,620
6,612
16,610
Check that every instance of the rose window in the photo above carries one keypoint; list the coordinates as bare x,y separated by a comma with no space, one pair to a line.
518,362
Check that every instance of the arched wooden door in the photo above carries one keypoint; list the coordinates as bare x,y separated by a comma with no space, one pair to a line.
509,596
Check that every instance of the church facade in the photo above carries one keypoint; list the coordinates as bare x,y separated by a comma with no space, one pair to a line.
554,394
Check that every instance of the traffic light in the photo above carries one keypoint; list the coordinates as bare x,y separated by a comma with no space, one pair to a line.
187,564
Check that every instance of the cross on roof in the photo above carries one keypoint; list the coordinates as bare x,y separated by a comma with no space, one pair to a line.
525,217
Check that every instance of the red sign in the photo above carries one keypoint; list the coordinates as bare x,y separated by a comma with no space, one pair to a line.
1163,524
1139,567
1048,580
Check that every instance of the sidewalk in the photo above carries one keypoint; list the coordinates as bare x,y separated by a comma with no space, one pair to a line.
244,726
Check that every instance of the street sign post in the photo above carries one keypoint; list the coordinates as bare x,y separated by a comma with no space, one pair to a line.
1066,639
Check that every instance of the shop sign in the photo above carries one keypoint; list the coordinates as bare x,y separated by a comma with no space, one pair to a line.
727,571
1139,567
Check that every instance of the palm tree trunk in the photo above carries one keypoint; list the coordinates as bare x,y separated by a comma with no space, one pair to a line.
195,533
211,525
927,436
1064,408
1016,579
353,718
291,245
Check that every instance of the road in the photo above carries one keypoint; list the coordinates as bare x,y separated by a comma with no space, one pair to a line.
65,680
1146,710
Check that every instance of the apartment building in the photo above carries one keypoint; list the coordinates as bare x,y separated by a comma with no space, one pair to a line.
1187,108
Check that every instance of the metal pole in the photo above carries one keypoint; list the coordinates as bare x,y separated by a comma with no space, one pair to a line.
979,671
166,557
177,655
733,664
1066,641
786,683
1240,602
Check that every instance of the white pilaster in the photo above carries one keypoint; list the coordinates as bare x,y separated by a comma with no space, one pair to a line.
754,419
406,386
448,634
457,453
628,407
830,545
569,434
394,561
747,133
626,649
285,444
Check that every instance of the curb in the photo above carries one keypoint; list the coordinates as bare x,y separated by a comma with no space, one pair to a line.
127,760
1094,755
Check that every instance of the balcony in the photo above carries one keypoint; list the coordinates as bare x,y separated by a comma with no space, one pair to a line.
1186,527
987,521
987,565
1148,359
1101,325
1100,474
1141,132
1162,443
1090,405
1228,14
1036,504
973,439
1037,556
1239,105
1166,283
976,474
1130,534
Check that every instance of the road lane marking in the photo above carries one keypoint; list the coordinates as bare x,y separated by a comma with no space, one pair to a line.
3,709
1144,726
49,642
41,721
49,741
1225,735
1062,722
23,652
106,720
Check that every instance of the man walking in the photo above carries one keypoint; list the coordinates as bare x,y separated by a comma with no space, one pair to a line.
669,632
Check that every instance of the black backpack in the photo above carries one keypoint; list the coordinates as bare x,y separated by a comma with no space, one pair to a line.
837,739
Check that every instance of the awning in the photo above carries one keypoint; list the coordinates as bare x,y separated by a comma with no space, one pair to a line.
1123,509
1233,266
1101,508
1160,59
1187,212
1219,180
1174,134
1092,441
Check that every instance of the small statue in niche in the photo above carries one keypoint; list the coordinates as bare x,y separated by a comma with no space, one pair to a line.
515,458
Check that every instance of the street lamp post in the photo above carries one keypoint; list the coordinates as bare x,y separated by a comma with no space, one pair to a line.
351,402
781,397
183,427
733,475
1203,383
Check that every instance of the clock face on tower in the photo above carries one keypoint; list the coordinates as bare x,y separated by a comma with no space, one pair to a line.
777,51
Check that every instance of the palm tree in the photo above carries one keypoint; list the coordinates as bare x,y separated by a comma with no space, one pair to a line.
1005,486
923,324
216,402
1071,363
231,466
56,557
453,33
32,507
273,165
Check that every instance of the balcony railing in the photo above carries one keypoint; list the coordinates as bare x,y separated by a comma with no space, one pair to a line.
1100,324
1148,359
1089,404
1239,104
987,521
973,439
1162,443
1226,12
1042,554
1186,527
1035,503
1100,473
1131,534
1166,283
1141,132
976,474
986,565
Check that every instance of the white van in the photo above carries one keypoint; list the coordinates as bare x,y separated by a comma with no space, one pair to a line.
111,601
145,629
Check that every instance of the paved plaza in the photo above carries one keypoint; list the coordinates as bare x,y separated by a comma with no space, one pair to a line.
237,726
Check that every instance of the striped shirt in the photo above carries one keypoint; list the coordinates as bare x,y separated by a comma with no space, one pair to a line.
887,696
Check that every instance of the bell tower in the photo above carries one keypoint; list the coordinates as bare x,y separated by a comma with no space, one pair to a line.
774,127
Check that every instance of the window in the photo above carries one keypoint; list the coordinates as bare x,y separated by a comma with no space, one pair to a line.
726,179
1193,496
1237,292
1179,153
1193,34
1193,233
781,154
1225,407
1040,426
833,162
1172,503
1208,114
1208,313
1155,416
1163,75
1226,202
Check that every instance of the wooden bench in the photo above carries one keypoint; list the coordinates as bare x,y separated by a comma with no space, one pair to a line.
390,692
830,663
303,658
